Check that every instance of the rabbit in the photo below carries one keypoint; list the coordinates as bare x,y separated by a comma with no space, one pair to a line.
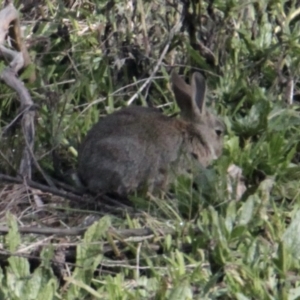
141,149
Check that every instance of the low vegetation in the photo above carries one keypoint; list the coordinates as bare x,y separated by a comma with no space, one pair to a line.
201,241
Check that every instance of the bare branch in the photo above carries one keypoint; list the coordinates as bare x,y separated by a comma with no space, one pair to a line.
174,30
7,15
17,60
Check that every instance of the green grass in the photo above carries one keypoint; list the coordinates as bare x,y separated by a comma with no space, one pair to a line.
206,245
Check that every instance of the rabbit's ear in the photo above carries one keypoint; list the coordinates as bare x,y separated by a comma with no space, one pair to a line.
181,90
198,91
183,94
190,99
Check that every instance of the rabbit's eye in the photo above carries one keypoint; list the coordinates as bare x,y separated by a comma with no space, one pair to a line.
219,132
194,155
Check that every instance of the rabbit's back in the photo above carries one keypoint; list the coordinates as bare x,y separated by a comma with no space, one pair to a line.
121,153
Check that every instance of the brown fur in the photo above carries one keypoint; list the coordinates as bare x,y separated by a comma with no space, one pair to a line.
138,148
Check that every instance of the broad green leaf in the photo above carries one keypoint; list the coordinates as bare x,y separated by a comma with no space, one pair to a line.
48,291
291,237
13,238
294,294
181,292
19,266
247,209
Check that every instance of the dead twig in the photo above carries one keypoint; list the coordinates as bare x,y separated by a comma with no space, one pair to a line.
44,188
76,198
174,30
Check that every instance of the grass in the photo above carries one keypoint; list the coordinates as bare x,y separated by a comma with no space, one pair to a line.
91,58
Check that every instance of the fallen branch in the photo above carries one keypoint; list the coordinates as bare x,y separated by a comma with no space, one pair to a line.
18,59
43,188
123,234
76,198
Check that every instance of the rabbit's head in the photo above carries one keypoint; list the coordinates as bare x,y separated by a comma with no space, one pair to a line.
206,130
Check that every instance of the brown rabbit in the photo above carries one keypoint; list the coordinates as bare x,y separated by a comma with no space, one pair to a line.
140,149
